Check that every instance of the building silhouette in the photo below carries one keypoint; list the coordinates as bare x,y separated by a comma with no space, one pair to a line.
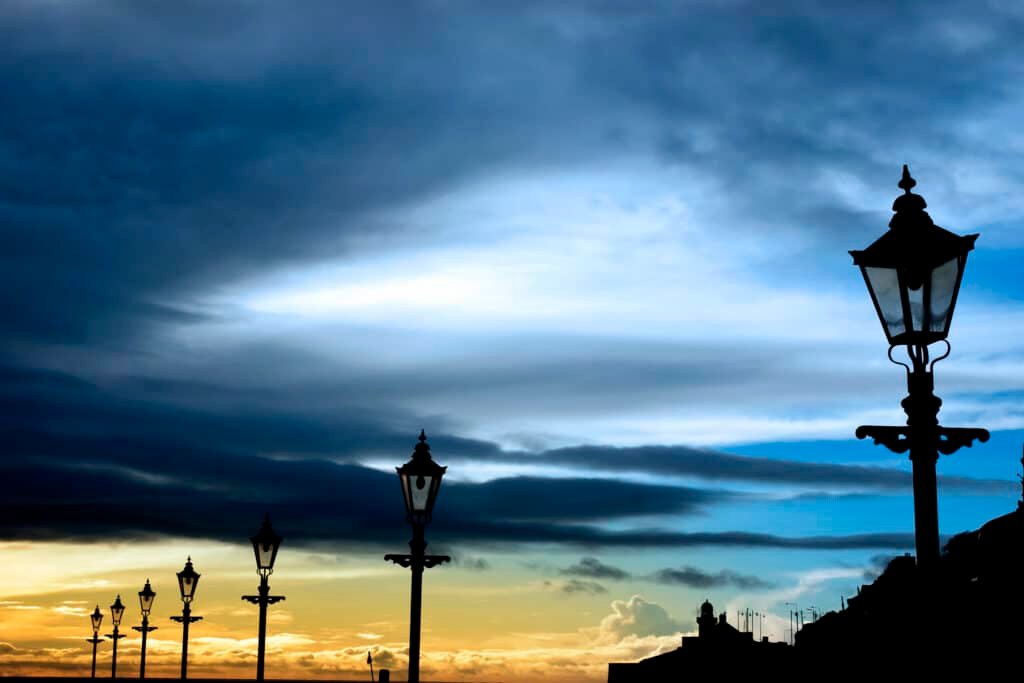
717,647
967,615
964,616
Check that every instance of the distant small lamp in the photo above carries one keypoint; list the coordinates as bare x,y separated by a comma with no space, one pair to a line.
116,613
188,579
913,273
97,619
146,597
421,480
264,545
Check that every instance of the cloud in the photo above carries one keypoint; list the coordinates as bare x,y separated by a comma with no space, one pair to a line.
697,578
70,610
592,568
718,466
68,439
576,586
876,565
476,564
637,617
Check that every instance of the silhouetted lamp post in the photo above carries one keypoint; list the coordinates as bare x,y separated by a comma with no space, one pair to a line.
913,274
146,597
421,480
187,581
116,612
264,544
96,618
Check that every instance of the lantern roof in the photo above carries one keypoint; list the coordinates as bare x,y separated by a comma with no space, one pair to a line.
266,535
421,462
913,238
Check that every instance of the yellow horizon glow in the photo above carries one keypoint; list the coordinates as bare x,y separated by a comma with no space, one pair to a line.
503,624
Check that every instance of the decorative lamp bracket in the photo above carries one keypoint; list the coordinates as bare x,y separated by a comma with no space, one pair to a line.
270,599
952,439
896,439
408,560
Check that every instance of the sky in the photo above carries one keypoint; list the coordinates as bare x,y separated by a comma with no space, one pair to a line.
597,250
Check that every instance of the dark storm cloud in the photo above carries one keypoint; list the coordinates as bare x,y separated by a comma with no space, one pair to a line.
91,464
86,466
153,151
697,578
84,497
593,568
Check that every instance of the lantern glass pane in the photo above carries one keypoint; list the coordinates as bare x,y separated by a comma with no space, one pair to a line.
886,288
264,555
943,288
97,619
146,601
915,298
420,492
187,583
404,478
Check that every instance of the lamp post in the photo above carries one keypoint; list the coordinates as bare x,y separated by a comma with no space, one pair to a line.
96,618
264,545
187,581
116,612
146,597
421,480
913,273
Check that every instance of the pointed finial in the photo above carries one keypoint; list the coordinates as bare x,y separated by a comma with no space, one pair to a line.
422,449
907,183
909,207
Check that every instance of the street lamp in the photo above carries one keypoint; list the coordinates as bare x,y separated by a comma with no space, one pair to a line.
264,545
421,480
913,274
116,612
97,618
146,597
188,579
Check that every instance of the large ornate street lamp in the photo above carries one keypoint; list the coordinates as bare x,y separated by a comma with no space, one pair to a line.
264,545
116,612
96,618
913,273
421,480
146,597
187,581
